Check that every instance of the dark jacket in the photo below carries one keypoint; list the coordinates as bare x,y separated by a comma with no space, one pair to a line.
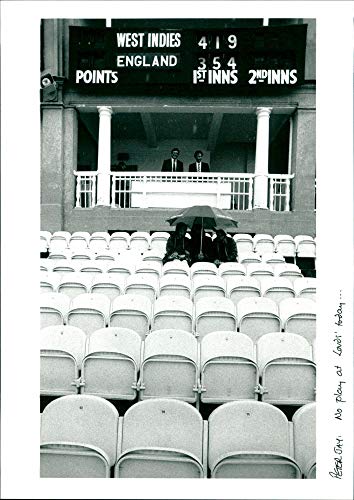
207,249
179,245
167,166
204,167
225,252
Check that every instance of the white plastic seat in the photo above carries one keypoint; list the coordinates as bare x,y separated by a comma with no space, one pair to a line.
139,241
59,241
176,267
228,367
241,287
260,271
213,314
73,284
65,266
153,255
305,288
79,436
150,269
123,267
93,267
89,311
111,363
162,438
289,271
159,241
250,439
131,311
99,241
106,255
79,241
82,254
263,243
228,270
175,284
169,366
248,258
207,285
109,284
62,349
49,281
273,259
173,312
277,289
44,239
46,264
285,245
141,284
257,316
204,268
304,422
244,243
305,246
298,315
119,241
54,308
64,253
287,369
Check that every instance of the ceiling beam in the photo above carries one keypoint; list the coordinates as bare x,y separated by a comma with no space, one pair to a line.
214,130
149,129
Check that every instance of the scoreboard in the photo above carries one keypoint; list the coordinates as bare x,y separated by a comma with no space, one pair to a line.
187,61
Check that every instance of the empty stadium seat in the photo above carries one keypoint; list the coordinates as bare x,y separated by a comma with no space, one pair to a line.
59,254
83,255
62,349
79,241
111,363
121,266
298,315
99,241
260,271
65,266
54,308
203,268
141,284
304,421
241,287
287,369
131,311
119,241
89,311
273,259
59,241
285,245
277,289
257,316
159,241
106,255
73,284
207,285
248,258
94,267
173,312
154,255
263,243
250,439
228,367
175,284
305,246
170,366
231,269
149,269
176,267
213,314
44,239
49,281
244,243
305,288
110,284
139,241
289,271
79,436
46,264
162,438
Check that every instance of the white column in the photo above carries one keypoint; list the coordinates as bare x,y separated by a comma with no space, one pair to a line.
104,155
262,153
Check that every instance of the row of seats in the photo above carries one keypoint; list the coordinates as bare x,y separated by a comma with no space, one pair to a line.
300,245
84,436
254,316
225,366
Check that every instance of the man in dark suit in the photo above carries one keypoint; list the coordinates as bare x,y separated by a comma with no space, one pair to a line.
199,165
172,164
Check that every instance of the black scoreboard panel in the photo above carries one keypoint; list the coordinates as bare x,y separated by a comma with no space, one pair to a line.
187,61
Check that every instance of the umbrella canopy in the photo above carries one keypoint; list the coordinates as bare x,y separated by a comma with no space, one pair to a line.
208,217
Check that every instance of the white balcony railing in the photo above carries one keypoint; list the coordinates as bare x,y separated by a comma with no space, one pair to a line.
177,190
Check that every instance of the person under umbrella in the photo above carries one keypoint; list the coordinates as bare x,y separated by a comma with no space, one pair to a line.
178,246
200,245
224,247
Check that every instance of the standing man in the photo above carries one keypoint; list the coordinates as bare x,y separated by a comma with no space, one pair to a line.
172,164
199,165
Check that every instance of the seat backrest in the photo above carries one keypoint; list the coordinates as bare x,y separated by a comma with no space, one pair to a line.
142,284
282,345
132,302
115,340
277,289
93,267
55,300
254,305
285,245
296,306
305,286
165,423
65,338
171,342
232,269
244,242
248,257
203,268
208,281
249,426
259,269
119,240
304,420
175,282
221,305
82,419
176,267
263,243
140,240
173,303
226,344
96,301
